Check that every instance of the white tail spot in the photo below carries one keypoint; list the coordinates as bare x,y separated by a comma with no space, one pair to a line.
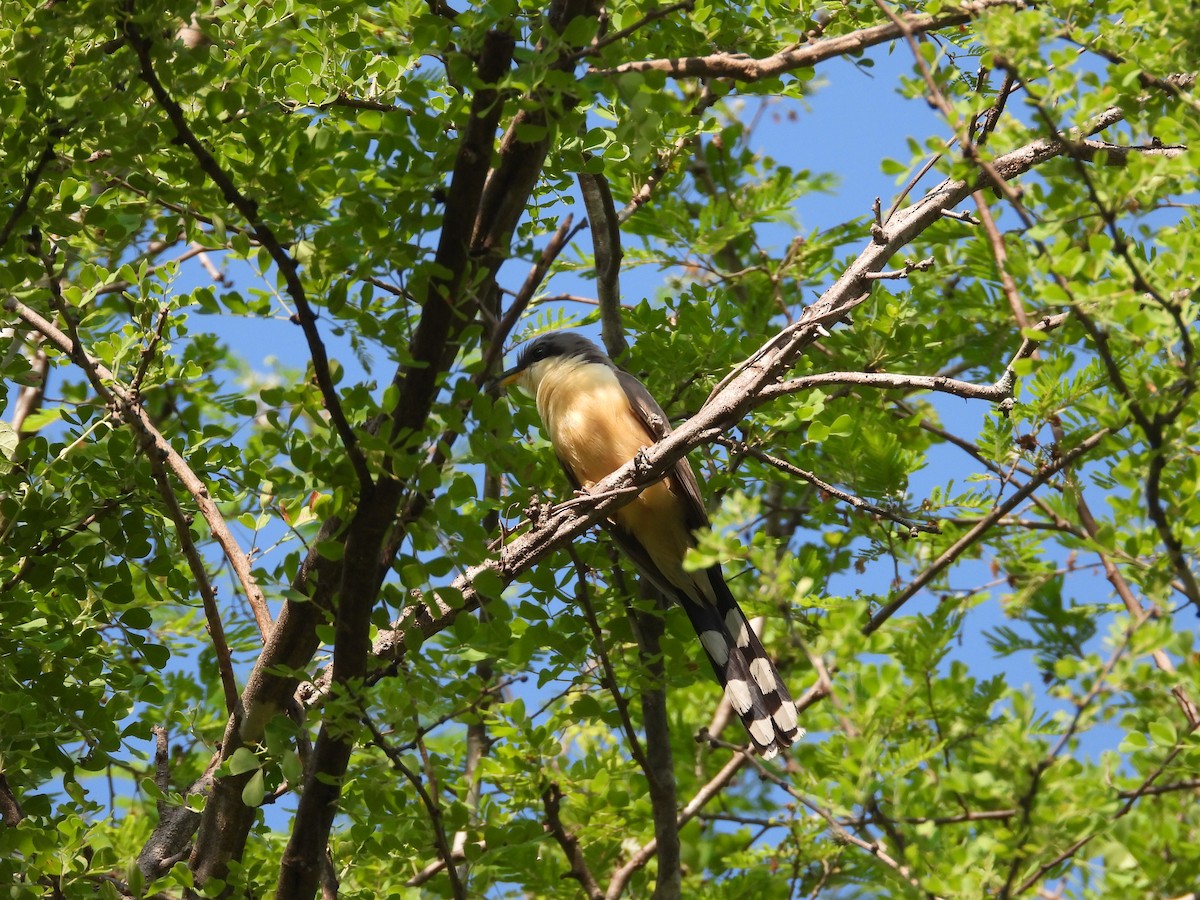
714,643
736,624
738,694
785,718
763,673
762,732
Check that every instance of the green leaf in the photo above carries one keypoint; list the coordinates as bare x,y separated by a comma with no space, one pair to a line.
243,760
254,790
8,447
1163,733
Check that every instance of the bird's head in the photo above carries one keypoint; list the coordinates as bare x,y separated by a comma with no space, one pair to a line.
546,354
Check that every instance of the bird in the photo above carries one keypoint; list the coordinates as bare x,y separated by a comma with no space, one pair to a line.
598,418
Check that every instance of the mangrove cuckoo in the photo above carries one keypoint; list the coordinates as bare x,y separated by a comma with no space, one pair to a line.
599,418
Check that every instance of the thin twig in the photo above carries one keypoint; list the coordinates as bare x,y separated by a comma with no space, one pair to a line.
857,502
430,803
983,526
551,801
31,181
208,596
645,853
583,597
658,12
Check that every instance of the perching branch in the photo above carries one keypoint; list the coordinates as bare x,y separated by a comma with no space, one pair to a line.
741,391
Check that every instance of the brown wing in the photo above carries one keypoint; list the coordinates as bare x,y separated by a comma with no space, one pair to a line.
681,479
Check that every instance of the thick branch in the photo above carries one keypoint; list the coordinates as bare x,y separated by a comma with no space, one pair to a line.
300,868
11,813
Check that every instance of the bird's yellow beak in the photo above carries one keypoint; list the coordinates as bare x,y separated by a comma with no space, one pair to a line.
504,380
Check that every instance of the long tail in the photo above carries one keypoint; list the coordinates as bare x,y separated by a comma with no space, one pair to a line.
752,684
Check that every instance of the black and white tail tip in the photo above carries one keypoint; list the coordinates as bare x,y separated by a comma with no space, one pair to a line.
752,684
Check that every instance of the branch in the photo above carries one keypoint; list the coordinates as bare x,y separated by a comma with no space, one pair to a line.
551,800
1027,800
1134,606
660,768
31,395
1133,797
740,67
361,576
31,181
208,597
583,598
654,178
537,274
606,244
998,392
984,525
872,847
430,803
1118,154
783,465
658,12
153,442
1000,254
645,853
442,321
11,813
444,312
733,398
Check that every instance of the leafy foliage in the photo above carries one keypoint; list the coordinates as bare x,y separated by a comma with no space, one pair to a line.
283,604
